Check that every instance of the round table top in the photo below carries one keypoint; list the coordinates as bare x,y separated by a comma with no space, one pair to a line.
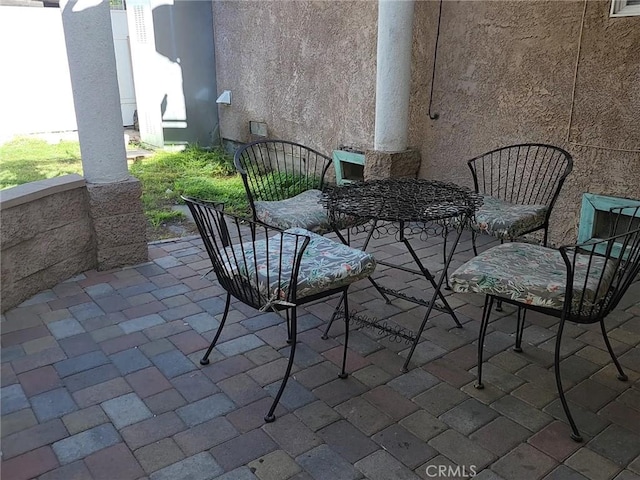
409,200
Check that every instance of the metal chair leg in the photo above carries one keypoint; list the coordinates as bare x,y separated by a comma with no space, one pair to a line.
499,302
288,327
522,313
575,434
205,360
444,260
473,242
621,375
343,373
270,417
486,313
325,335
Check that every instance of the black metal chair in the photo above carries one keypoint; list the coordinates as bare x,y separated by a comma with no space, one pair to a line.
271,269
283,181
579,283
520,185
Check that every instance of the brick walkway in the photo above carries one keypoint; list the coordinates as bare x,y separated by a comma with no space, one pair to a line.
100,379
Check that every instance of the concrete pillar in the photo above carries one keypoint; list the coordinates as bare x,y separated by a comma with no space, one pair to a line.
393,78
390,157
115,208
94,80
379,165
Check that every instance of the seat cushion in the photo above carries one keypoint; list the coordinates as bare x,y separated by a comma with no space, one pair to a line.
531,274
507,220
302,211
325,264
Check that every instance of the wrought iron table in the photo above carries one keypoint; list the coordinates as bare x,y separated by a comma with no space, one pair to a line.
405,207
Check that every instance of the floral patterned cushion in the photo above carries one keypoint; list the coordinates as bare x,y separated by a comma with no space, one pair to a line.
530,274
507,220
303,211
325,264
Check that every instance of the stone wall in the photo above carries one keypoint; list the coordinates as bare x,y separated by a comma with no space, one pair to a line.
54,229
119,223
46,236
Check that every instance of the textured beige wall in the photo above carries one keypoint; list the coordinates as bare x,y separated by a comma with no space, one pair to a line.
307,69
505,74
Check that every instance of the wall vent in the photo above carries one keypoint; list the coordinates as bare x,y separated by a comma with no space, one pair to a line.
596,219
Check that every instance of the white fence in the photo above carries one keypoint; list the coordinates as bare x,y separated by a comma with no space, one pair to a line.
35,86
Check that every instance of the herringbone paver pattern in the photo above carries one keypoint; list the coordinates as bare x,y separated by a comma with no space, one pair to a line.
101,380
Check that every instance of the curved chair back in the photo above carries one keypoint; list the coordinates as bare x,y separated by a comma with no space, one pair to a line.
606,267
270,269
524,174
275,170
237,253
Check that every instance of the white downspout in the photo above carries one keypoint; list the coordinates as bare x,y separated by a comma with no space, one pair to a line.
393,79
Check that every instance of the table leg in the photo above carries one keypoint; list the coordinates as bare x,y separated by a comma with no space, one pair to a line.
437,293
364,249
436,286
347,241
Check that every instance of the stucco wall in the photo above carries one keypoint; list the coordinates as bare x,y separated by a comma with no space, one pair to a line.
505,74
307,69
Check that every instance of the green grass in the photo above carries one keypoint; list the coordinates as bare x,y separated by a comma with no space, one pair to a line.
290,184
24,160
165,176
194,172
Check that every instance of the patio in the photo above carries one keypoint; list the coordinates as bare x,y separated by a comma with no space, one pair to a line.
101,379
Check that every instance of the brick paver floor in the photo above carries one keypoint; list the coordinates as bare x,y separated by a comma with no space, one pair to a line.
101,380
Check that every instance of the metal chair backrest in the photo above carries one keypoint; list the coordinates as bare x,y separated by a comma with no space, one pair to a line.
277,169
245,255
525,174
610,265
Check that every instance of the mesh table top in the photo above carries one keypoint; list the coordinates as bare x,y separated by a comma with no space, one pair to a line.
404,200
